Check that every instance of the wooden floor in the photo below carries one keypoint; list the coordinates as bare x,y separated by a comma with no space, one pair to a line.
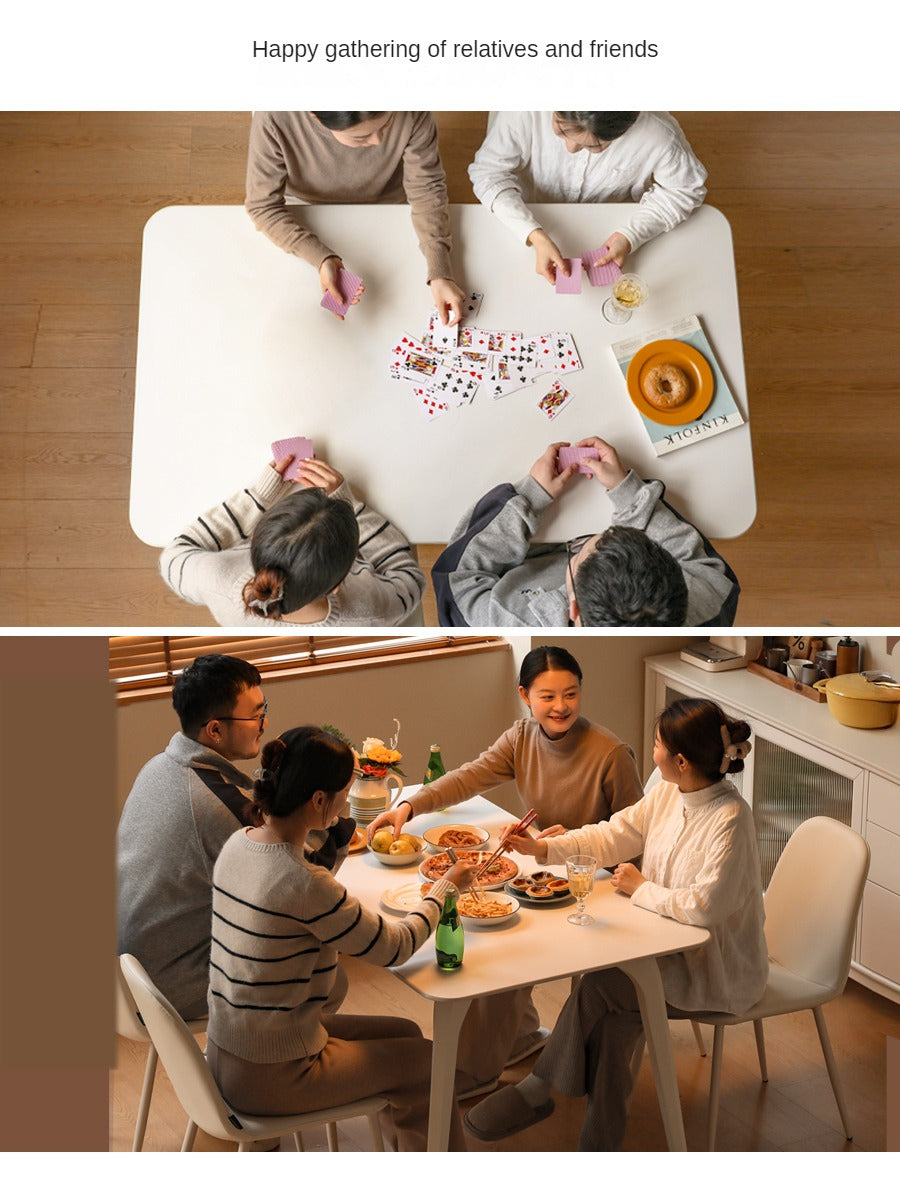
816,225
795,1110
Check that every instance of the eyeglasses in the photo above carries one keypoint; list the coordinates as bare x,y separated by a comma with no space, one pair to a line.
260,717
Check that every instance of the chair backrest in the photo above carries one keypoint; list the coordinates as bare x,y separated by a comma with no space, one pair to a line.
653,779
179,1053
813,899
128,1022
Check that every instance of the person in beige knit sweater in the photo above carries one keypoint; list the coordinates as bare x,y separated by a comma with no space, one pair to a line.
351,158
699,866
570,770
279,923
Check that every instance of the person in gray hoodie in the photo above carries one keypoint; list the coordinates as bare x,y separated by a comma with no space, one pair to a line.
184,805
650,567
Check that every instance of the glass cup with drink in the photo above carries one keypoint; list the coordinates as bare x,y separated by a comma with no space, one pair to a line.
629,292
581,869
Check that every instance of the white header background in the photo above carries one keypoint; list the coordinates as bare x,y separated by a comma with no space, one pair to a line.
187,54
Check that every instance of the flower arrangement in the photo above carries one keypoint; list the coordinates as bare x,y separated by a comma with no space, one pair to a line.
375,759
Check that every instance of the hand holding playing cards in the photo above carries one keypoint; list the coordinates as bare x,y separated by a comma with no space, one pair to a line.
607,468
544,471
313,472
329,275
618,248
282,465
448,300
549,259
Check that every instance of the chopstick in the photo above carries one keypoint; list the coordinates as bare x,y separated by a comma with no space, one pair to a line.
516,831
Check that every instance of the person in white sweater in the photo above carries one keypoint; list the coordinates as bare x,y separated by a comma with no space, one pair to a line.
278,925
276,553
584,157
699,866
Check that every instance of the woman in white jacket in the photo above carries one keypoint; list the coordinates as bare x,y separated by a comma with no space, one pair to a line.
587,157
699,865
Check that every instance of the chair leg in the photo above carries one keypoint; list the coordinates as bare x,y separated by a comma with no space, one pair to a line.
761,1050
831,1065
375,1130
698,1038
331,1134
715,1081
140,1125
298,1142
190,1135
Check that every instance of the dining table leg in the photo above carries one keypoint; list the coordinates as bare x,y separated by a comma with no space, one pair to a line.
644,974
448,1019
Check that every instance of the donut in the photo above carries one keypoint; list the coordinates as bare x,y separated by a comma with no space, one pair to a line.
665,386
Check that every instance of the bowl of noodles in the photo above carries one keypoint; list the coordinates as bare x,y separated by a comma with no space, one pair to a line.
440,838
481,912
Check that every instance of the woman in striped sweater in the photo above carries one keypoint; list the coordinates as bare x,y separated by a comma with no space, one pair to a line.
278,925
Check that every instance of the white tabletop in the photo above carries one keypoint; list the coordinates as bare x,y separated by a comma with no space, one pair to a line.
234,352
536,945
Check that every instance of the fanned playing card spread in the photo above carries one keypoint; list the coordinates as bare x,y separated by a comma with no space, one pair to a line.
448,363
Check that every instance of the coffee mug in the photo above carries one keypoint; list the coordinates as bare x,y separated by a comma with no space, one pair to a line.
776,657
795,668
809,673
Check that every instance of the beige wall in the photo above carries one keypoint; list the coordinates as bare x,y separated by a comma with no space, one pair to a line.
462,702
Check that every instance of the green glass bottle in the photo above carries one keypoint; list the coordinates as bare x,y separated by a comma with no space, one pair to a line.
435,768
449,937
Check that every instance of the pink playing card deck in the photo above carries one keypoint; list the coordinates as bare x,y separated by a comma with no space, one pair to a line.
569,285
299,447
349,284
575,454
600,276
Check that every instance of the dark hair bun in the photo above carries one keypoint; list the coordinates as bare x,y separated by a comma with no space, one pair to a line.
264,593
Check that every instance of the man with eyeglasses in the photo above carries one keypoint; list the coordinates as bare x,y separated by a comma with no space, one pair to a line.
649,568
182,808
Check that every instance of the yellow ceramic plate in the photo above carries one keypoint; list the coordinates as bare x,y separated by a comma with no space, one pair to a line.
691,361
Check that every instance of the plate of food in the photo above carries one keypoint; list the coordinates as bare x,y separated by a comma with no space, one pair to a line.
670,382
406,897
501,870
481,912
455,837
357,842
541,887
396,851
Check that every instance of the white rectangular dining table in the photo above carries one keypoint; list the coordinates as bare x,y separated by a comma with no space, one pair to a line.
235,352
537,945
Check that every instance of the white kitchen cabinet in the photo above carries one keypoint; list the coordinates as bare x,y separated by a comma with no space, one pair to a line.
805,763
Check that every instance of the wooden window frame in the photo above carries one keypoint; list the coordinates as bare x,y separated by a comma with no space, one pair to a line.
145,668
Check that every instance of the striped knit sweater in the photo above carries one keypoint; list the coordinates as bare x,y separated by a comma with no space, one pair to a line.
209,562
277,928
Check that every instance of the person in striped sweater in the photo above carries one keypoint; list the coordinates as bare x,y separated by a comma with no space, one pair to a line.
279,923
277,554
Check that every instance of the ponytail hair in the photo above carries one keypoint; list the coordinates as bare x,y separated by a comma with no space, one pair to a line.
711,741
546,658
300,550
295,765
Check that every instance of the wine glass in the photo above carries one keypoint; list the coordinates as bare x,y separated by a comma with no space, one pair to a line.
581,868
629,292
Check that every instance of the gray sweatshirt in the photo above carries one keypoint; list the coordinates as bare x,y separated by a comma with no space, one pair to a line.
184,806
491,574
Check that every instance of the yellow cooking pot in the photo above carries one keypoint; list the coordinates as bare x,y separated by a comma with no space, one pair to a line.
859,702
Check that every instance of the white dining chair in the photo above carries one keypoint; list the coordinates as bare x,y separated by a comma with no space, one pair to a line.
198,1093
811,908
129,1025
